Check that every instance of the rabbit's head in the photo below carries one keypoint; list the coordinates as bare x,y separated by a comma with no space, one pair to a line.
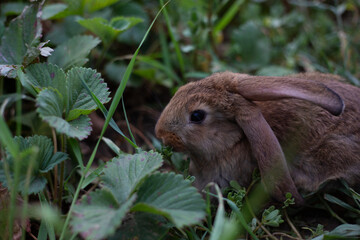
217,123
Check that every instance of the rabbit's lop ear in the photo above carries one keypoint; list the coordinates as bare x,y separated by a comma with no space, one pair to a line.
263,88
264,144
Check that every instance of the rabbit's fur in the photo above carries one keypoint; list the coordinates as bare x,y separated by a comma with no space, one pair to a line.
295,129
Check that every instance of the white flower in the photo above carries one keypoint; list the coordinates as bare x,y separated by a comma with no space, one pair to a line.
46,51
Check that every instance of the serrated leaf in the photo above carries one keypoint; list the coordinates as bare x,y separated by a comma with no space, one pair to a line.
43,75
108,31
20,40
124,173
51,107
171,196
99,214
62,100
73,52
50,103
80,102
45,160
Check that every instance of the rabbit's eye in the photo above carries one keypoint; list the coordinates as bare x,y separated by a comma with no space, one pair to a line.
197,116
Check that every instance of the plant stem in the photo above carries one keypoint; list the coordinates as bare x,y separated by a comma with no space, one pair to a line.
258,221
26,190
331,211
62,170
1,85
18,108
174,42
56,167
103,52
127,122
292,225
13,193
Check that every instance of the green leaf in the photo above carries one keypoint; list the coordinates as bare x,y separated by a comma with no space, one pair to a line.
95,5
80,102
51,10
43,75
45,160
224,228
108,31
50,108
14,8
62,100
271,217
344,231
6,139
252,45
124,173
99,214
50,103
144,226
73,8
228,16
112,146
341,203
71,94
19,44
171,196
73,52
132,9
93,174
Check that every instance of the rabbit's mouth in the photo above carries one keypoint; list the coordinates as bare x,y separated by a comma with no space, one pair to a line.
172,140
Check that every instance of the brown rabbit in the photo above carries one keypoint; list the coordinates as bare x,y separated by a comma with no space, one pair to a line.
295,129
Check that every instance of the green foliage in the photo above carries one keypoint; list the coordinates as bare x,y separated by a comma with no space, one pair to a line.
73,52
171,196
236,194
99,214
62,100
129,177
142,225
108,31
271,217
41,160
252,45
125,172
344,231
20,41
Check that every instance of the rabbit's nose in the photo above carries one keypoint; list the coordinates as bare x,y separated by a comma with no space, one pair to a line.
171,139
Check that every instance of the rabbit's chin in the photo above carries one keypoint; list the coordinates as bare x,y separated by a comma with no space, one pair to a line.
236,163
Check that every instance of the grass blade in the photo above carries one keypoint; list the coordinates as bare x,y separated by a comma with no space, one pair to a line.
173,40
105,112
6,138
226,19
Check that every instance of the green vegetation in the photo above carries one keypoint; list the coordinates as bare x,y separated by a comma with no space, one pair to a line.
63,64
